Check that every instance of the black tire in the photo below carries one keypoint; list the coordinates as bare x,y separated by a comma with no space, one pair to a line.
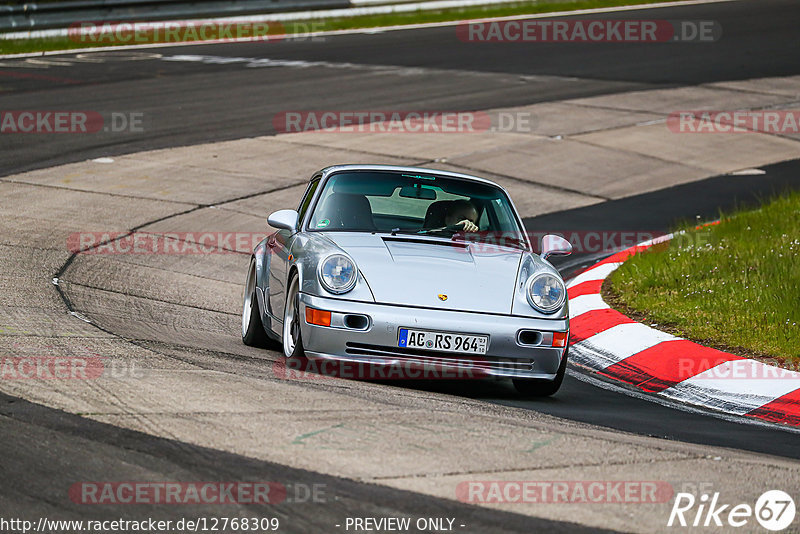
292,339
537,387
253,333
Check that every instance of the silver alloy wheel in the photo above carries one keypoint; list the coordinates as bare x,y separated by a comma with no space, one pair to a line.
291,318
249,293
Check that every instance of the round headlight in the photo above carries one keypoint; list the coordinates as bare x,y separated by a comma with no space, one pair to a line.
338,273
546,292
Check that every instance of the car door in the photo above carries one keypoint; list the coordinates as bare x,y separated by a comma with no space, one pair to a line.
279,244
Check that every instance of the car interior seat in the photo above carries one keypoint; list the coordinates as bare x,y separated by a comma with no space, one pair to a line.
348,211
435,215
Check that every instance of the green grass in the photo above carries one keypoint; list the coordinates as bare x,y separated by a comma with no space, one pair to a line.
735,286
17,46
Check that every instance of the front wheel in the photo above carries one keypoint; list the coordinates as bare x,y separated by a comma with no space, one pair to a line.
252,328
538,387
292,342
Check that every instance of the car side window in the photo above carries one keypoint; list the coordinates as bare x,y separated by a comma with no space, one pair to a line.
312,187
503,216
483,223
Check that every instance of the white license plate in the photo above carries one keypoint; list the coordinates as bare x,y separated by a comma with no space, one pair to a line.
442,341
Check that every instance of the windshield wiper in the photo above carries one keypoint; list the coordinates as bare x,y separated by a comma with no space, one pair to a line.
395,231
414,231
445,229
455,232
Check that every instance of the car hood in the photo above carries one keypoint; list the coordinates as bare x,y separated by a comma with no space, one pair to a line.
434,273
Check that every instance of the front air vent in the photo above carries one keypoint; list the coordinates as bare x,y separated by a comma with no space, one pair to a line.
529,338
356,322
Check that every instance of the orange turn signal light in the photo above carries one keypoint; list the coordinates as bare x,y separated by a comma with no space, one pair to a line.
560,339
318,317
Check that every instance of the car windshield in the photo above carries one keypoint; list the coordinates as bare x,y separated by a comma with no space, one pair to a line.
410,203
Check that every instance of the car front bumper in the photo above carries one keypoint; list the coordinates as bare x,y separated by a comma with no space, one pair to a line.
376,344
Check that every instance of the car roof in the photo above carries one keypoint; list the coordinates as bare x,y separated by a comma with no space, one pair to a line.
397,168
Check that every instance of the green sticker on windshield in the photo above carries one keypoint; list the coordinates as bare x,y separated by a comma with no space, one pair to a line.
323,223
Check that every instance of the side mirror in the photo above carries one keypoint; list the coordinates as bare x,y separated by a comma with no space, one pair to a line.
555,245
283,220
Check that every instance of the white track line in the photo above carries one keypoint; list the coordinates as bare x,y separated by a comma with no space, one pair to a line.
586,303
622,341
595,273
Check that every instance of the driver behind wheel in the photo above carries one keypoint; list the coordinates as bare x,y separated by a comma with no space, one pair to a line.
462,213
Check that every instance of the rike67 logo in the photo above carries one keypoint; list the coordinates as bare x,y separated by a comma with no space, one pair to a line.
774,510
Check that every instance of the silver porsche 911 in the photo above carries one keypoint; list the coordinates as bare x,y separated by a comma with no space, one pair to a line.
386,265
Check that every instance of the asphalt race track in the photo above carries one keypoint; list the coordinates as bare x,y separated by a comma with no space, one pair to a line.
191,102
40,444
190,95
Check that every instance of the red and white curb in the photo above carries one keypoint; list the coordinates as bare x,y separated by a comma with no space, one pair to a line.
617,347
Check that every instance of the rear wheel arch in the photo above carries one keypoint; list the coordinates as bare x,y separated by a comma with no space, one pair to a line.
262,264
293,271
253,332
